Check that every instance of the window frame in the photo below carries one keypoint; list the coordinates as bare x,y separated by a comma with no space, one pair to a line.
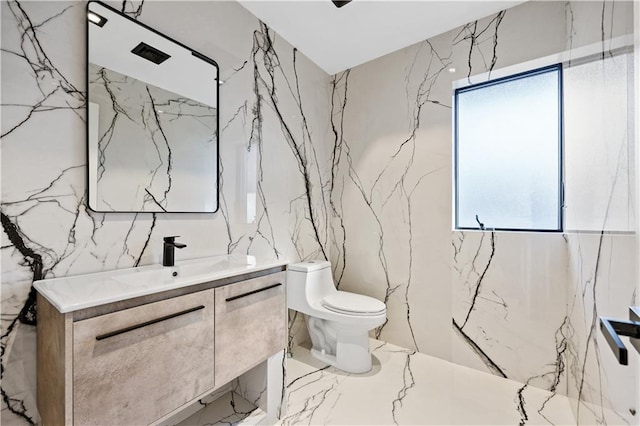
529,73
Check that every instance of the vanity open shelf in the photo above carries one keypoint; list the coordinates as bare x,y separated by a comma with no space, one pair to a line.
230,408
167,342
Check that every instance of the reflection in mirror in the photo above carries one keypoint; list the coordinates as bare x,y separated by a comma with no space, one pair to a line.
152,119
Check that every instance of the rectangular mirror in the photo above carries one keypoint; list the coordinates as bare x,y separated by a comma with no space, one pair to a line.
152,119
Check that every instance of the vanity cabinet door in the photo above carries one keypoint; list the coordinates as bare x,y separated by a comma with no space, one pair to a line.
251,324
133,366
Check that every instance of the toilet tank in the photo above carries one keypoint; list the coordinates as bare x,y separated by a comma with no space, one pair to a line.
308,283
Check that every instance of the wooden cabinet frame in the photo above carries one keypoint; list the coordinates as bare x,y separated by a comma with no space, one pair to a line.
55,340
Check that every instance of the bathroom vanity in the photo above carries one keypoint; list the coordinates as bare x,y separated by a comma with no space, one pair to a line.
138,346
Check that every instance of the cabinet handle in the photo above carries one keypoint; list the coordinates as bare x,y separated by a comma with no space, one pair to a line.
249,293
146,323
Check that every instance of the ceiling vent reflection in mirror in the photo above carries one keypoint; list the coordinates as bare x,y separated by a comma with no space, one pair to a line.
150,53
152,130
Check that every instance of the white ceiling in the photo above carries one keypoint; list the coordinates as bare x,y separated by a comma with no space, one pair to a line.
340,38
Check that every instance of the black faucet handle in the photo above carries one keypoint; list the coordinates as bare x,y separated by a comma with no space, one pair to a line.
171,239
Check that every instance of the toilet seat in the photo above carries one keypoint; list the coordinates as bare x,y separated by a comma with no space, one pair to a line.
346,303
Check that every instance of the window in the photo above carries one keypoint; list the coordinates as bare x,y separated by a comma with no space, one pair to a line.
508,149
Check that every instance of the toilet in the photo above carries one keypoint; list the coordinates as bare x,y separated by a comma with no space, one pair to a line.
338,321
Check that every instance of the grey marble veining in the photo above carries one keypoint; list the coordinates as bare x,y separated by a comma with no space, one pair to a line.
408,387
355,168
49,232
600,265
517,305
230,409
268,69
476,36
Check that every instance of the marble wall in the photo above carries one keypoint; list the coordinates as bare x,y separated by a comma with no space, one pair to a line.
602,246
601,283
274,123
517,305
354,167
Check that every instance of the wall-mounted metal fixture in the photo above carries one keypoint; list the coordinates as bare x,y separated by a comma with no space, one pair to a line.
612,329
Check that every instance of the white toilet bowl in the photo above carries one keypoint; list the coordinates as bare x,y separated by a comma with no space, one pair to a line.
338,321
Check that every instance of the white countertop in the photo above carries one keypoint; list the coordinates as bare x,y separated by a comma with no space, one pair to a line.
70,294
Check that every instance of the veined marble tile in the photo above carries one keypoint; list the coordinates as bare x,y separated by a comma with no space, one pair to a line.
273,157
356,168
406,387
510,294
513,304
229,409
20,377
603,283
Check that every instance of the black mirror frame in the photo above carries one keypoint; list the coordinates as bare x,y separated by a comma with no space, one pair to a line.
194,53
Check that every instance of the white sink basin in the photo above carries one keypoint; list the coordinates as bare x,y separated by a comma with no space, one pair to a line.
186,271
159,276
68,294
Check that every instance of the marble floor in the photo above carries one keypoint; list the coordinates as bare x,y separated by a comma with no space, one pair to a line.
409,388
403,388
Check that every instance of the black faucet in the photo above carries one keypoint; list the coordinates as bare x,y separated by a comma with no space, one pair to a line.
168,253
